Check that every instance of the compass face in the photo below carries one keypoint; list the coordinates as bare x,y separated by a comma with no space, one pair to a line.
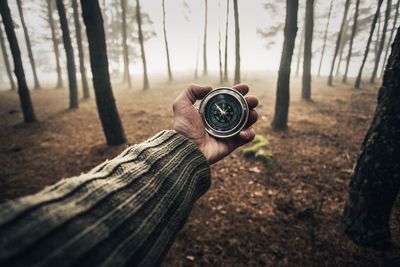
224,112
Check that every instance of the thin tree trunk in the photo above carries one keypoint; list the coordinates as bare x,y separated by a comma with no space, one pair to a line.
196,71
282,92
23,91
69,52
390,38
166,43
55,42
375,180
106,106
382,41
28,45
6,60
299,52
237,42
378,31
338,41
309,28
127,75
341,47
325,37
141,41
226,42
82,68
353,34
205,67
219,45
358,80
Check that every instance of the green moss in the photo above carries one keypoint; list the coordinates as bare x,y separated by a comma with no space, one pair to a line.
259,150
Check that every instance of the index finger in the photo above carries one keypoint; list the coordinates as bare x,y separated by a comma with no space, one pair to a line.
192,93
242,88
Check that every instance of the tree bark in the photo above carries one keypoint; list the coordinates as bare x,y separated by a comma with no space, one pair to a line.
106,107
237,42
226,42
55,42
375,179
6,60
205,67
221,77
69,52
338,41
85,86
141,41
309,28
382,41
325,37
353,34
282,92
396,15
358,79
127,75
166,43
23,91
28,45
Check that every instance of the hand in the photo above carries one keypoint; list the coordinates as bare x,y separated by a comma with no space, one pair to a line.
188,122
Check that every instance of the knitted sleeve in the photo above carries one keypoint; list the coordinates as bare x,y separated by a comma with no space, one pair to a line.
124,212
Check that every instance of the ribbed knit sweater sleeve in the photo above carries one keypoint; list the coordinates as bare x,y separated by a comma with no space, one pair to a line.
124,212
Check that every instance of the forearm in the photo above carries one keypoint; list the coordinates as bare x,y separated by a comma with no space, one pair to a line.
125,211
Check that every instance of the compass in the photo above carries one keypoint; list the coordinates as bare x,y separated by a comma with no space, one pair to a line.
224,112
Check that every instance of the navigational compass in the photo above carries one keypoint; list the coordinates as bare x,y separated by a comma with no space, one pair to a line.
224,112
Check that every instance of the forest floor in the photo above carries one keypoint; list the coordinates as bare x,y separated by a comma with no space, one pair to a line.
286,214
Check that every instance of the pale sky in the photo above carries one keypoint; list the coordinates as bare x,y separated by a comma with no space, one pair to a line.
186,37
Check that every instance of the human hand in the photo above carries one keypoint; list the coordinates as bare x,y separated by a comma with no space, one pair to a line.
188,122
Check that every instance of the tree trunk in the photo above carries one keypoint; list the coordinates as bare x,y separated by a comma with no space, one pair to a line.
338,41
382,41
325,37
237,42
282,92
23,91
358,79
299,52
219,46
390,38
106,107
141,41
55,42
226,42
375,179
353,34
69,52
28,45
205,68
127,75
196,71
166,43
6,60
341,47
309,28
82,68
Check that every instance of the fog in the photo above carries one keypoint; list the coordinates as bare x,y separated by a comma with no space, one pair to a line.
185,28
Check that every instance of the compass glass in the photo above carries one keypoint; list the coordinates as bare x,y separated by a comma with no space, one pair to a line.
223,112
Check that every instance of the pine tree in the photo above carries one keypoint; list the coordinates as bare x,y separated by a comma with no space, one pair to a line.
309,28
166,43
237,42
141,42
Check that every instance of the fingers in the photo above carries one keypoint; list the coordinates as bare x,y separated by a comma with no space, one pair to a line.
252,101
247,135
242,88
253,117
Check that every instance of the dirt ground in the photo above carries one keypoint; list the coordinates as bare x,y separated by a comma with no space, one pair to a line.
288,214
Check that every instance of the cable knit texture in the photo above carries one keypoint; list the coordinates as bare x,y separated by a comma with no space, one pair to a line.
124,212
